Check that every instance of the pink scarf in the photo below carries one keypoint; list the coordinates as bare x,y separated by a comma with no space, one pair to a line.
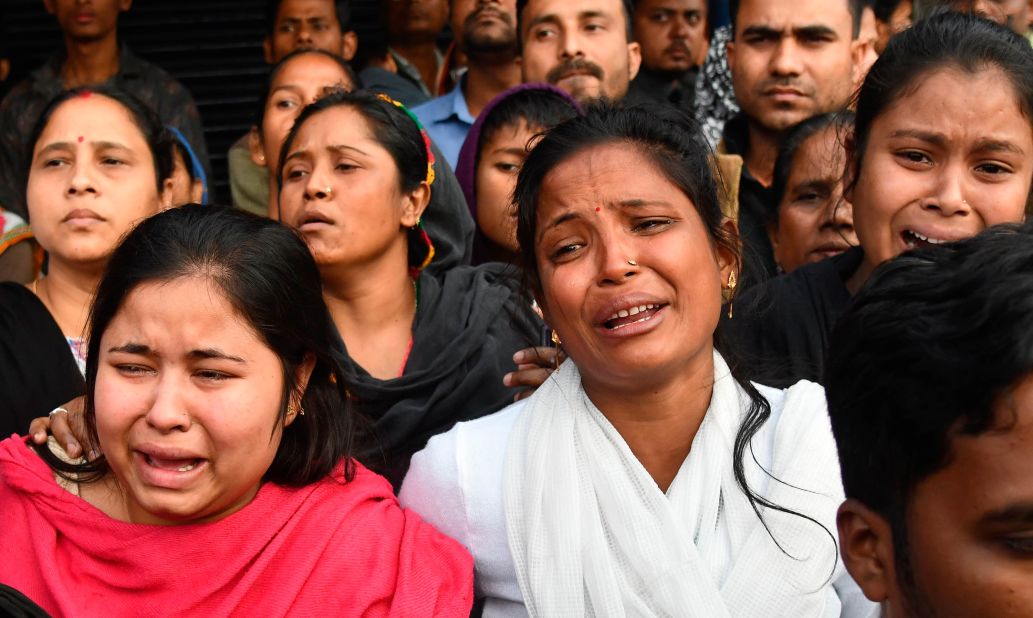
326,549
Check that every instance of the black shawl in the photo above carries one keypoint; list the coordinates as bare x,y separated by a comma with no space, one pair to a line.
468,324
37,369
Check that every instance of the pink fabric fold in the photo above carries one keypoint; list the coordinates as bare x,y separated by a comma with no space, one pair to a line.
330,548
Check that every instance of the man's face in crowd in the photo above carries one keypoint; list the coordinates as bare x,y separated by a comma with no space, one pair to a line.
307,24
793,59
1013,14
969,540
579,45
87,20
672,33
422,19
484,26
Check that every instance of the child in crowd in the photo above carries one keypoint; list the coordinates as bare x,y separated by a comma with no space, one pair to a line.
492,155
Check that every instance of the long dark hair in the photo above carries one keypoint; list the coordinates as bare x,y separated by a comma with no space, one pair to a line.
948,39
159,140
268,275
676,147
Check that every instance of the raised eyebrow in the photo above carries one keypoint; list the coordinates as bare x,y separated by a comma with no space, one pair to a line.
513,150
639,203
297,154
111,145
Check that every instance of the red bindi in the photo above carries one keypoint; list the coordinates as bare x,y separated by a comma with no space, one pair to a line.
81,139
597,209
85,94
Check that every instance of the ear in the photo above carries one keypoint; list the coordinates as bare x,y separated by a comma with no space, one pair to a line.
727,260
730,54
349,43
414,203
196,191
267,50
5,68
254,146
301,378
49,6
866,543
634,59
165,197
859,50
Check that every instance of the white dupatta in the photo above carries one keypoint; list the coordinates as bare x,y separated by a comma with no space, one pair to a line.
592,534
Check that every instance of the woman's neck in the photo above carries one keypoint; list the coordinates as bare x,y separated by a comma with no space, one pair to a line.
67,292
658,420
373,306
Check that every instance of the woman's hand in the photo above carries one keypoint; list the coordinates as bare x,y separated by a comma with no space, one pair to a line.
534,366
67,428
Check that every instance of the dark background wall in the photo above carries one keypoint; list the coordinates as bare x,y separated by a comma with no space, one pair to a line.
214,47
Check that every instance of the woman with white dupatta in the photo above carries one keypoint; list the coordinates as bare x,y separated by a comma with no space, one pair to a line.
643,478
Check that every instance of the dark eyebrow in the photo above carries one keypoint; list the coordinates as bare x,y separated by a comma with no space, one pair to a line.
937,139
132,348
513,150
55,146
583,15
814,31
996,145
639,203
541,19
763,31
214,353
296,154
109,145
1019,512
557,221
340,148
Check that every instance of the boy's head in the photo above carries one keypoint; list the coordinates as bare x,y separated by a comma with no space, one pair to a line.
930,392
496,148
318,24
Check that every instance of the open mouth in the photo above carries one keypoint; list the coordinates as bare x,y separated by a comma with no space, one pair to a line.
914,240
632,315
313,219
173,465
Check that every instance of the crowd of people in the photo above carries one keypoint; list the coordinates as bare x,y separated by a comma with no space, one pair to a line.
607,308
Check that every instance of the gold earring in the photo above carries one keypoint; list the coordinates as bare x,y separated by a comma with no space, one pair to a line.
731,288
556,338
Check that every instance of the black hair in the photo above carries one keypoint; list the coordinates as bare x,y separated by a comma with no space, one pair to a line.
159,140
930,344
883,9
946,40
389,125
341,7
675,145
627,7
274,71
397,132
181,151
856,8
792,141
268,275
540,109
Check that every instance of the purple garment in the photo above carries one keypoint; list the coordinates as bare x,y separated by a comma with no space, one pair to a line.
466,165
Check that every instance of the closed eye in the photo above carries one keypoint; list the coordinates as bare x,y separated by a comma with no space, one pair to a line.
652,225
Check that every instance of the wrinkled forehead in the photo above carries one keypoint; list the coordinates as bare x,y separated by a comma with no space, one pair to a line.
787,15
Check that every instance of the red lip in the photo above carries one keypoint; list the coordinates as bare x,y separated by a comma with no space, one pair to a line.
84,18
82,214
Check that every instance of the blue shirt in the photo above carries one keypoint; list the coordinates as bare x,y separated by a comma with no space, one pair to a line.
447,121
